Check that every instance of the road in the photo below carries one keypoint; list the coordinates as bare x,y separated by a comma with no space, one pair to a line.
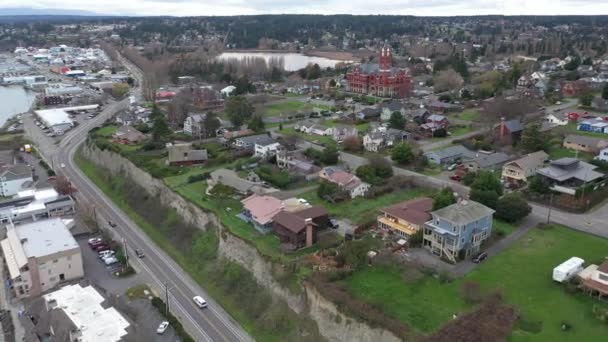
211,324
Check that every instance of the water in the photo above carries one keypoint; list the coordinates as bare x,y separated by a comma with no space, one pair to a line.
293,61
14,100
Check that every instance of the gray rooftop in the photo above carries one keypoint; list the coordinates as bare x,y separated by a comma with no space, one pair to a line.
451,151
463,212
485,160
46,237
19,171
260,139
570,168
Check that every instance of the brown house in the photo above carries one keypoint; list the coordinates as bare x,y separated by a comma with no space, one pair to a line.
299,229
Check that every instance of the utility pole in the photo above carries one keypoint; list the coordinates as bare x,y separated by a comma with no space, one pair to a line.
550,206
166,300
124,247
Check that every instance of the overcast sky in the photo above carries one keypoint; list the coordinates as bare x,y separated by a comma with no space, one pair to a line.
238,7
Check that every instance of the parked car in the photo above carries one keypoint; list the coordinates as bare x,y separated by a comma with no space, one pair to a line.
480,257
110,260
139,253
93,241
162,327
333,224
452,167
101,247
106,253
200,302
455,178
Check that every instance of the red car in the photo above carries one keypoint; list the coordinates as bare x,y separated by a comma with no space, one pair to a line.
455,178
102,247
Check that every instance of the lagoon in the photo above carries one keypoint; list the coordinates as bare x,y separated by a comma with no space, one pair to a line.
292,61
14,100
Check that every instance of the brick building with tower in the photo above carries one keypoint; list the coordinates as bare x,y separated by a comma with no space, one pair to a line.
380,79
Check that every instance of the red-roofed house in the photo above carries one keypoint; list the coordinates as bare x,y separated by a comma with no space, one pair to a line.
260,210
164,95
406,218
299,229
346,181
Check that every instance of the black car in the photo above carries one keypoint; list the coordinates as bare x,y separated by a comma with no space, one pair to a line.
480,257
139,253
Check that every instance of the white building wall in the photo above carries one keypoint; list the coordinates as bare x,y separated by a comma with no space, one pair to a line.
52,267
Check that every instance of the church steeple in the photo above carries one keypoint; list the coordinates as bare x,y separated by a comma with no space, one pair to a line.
386,59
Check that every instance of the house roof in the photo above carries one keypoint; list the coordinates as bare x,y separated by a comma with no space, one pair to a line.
14,172
463,212
568,168
436,117
296,222
260,139
415,211
486,160
530,161
603,267
128,133
585,140
262,208
512,125
449,152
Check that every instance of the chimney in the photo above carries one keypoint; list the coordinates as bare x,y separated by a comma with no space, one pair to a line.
503,127
309,232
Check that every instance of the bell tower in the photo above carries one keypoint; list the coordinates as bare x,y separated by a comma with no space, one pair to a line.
386,59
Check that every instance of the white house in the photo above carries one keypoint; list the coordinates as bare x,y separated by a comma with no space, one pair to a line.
559,119
193,125
14,179
227,91
40,255
266,149
602,155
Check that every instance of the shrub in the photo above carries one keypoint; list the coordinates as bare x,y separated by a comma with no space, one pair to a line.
512,207
199,177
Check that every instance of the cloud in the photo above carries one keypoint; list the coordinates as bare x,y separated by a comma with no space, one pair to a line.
245,7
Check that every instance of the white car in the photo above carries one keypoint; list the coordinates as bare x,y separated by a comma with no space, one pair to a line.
162,327
200,302
62,165
106,253
110,260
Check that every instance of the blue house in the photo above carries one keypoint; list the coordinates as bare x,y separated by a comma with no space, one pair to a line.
457,231
597,125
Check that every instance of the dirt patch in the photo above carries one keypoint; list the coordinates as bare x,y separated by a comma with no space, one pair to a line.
491,321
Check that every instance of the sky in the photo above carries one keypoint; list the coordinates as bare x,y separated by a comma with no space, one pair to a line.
249,7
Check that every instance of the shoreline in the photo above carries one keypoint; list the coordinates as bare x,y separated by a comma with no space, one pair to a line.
14,118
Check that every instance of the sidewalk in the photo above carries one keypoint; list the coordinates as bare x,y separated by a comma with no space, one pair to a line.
8,303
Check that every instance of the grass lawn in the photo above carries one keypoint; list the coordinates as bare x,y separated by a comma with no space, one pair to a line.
283,107
106,131
456,132
523,274
502,226
313,138
468,115
363,128
360,210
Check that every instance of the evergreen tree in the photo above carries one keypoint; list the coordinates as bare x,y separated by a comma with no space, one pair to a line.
238,109
443,198
256,124
532,139
397,120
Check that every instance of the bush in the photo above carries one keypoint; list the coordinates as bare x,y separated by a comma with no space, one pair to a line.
278,178
512,208
199,177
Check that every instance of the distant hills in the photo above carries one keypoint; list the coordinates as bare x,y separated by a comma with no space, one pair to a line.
24,11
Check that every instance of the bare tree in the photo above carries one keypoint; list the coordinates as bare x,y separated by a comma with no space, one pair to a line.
448,80
178,108
64,186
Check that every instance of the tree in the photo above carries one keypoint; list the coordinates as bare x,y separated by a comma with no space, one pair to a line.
402,153
532,139
179,107
352,144
243,86
512,207
443,198
63,185
330,192
586,98
397,121
160,129
605,91
120,89
367,174
486,189
332,83
330,155
211,124
538,185
256,124
469,178
447,80
382,167
573,64
238,110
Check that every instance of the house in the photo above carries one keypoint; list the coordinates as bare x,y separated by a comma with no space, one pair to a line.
164,96
516,172
248,142
128,135
296,162
447,155
259,210
525,81
594,279
346,181
566,175
194,125
230,178
418,116
508,129
387,109
483,160
438,121
596,125
444,107
300,229
316,129
183,154
573,88
15,178
229,135
584,143
35,204
133,117
265,148
406,218
457,231
369,113
560,118
227,91
341,132
75,313
602,155
39,256
382,137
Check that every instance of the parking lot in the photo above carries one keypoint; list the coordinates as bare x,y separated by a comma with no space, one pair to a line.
140,312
